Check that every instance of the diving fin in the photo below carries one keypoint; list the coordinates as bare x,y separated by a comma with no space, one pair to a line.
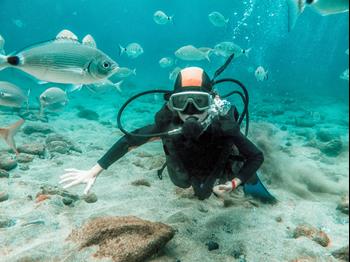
255,188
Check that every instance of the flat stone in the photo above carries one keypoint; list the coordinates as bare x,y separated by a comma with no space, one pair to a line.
3,196
4,174
55,140
312,233
123,239
32,149
29,129
342,253
343,206
7,162
25,158
90,198
332,148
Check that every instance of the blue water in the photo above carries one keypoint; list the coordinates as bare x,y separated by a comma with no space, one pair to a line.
310,58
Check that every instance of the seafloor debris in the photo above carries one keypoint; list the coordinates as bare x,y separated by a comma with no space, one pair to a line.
124,239
312,233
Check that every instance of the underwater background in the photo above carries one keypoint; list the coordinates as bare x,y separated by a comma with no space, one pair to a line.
304,86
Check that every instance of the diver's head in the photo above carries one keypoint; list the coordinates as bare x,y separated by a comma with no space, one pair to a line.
192,95
192,98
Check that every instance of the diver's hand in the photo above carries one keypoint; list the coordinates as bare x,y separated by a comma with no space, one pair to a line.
74,177
230,186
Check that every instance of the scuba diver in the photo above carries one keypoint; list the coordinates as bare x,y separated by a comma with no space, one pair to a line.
201,137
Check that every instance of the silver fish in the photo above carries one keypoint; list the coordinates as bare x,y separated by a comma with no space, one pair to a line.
191,53
11,95
345,75
63,60
226,49
2,45
217,19
173,74
124,72
261,74
323,7
161,18
133,50
53,99
166,62
8,133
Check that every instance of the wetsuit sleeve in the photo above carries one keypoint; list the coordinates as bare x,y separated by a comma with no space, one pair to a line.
125,144
254,157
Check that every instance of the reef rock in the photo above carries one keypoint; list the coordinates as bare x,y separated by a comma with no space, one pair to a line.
312,233
124,239
342,254
7,162
343,206
32,149
4,174
332,148
24,158
29,129
61,144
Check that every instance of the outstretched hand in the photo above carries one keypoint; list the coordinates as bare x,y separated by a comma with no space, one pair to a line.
74,177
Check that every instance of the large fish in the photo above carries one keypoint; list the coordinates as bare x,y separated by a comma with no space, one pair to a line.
323,7
8,134
11,95
63,60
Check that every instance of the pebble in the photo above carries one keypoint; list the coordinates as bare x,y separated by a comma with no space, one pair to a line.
212,245
4,223
90,198
3,196
7,162
343,206
4,174
67,201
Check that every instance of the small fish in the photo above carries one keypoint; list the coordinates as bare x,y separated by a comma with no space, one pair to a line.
323,7
19,23
2,45
133,50
191,53
173,74
261,74
161,18
226,49
166,62
345,75
347,51
106,86
53,99
8,134
12,96
124,72
218,20
63,60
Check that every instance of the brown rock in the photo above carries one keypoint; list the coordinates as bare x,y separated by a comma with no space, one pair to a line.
32,149
24,158
124,239
342,254
312,233
7,162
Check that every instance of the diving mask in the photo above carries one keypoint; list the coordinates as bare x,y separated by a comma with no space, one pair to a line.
200,100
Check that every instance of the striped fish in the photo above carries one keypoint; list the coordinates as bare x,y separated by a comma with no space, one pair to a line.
63,60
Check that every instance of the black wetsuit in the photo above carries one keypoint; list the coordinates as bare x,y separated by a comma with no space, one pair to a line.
197,163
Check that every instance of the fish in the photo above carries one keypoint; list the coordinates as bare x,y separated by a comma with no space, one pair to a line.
161,18
133,50
226,49
191,53
12,96
63,60
2,45
323,7
124,72
217,19
106,86
347,51
166,62
8,133
53,98
345,75
261,74
173,74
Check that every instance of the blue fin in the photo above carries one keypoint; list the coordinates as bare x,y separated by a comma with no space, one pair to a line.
255,188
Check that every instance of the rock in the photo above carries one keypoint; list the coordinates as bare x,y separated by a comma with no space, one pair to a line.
305,259
4,174
332,148
25,158
124,239
90,198
238,251
343,206
59,143
178,217
29,129
324,135
212,245
32,149
312,233
304,122
284,128
6,222
24,167
342,254
49,190
7,162
3,196
279,219
67,201
88,114
141,182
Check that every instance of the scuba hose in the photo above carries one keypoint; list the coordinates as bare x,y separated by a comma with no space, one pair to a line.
244,96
